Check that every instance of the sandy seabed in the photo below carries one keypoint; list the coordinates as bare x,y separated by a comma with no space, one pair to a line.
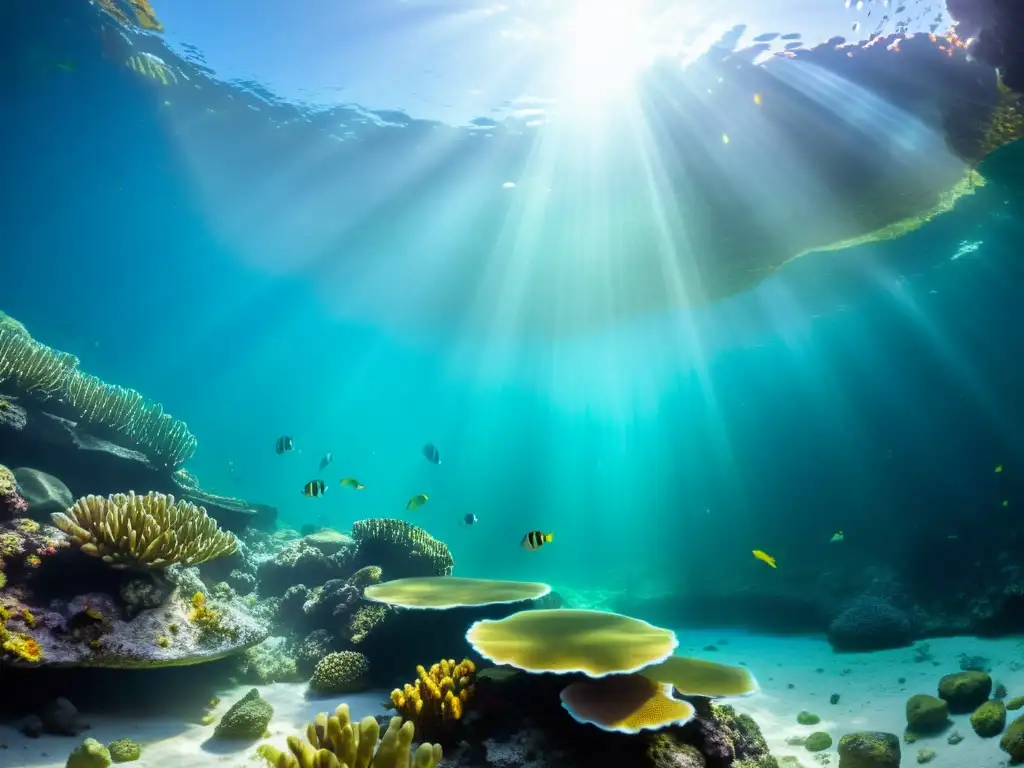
795,673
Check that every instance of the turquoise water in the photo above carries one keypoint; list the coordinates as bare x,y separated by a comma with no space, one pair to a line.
871,390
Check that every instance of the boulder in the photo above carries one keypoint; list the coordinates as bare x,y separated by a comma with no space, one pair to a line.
965,691
926,714
869,749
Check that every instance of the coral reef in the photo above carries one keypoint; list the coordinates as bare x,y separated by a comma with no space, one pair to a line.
341,672
332,742
268,662
870,624
149,531
436,700
401,549
12,503
247,718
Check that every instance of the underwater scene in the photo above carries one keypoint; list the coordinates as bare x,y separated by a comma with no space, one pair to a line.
519,384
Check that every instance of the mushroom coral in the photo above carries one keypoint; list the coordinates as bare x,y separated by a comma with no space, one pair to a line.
625,703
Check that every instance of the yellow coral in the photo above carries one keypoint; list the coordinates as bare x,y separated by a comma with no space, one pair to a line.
3,580
25,525
150,531
208,619
24,647
333,742
163,641
27,616
438,696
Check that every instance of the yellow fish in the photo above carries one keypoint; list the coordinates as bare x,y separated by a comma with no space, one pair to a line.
999,468
417,501
764,557
351,482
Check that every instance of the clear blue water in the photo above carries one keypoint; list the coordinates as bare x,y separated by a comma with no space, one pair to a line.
871,390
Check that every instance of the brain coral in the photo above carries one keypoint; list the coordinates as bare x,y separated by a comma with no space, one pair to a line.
870,624
342,672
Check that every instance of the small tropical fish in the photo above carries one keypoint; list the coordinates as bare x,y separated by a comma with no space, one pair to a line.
836,537
431,453
314,488
764,557
469,519
326,460
351,482
417,501
999,468
534,540
285,444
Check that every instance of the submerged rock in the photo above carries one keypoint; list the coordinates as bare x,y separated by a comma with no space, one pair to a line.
89,754
124,751
989,719
926,714
247,718
965,691
869,749
1012,741
870,624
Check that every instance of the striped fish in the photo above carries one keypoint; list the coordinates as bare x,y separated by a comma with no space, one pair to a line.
534,540
314,488
284,444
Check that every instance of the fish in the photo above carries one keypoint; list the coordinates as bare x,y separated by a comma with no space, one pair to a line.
999,468
757,99
326,460
469,519
534,540
314,488
431,453
351,482
836,538
764,557
417,501
285,444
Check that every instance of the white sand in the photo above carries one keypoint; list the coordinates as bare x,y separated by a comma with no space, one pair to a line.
870,699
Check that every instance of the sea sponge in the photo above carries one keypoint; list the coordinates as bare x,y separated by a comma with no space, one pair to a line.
401,548
332,742
247,718
989,719
560,641
341,672
437,698
127,413
124,751
696,677
22,647
441,592
625,703
151,531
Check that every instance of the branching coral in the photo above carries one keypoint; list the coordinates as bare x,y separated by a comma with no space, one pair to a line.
401,549
334,742
150,531
126,412
439,695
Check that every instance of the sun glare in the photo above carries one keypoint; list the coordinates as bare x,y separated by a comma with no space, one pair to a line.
605,45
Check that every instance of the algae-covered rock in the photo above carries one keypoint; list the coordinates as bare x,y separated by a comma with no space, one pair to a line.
89,754
247,718
124,751
989,719
925,755
965,691
1015,703
926,714
818,742
869,749
1013,740
807,718
342,672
